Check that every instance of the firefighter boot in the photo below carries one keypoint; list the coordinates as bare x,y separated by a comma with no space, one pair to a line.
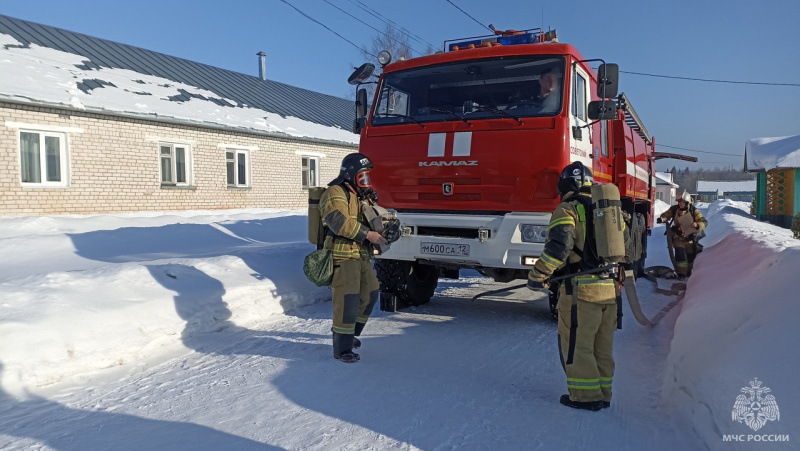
359,329
343,348
594,406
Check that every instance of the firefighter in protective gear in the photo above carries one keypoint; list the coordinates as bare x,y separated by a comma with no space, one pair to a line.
355,286
685,246
587,304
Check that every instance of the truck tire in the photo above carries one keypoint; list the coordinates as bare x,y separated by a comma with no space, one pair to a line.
409,283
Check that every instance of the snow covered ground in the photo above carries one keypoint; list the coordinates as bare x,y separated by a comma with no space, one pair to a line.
198,330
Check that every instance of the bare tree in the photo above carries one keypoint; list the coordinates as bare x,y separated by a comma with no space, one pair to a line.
392,40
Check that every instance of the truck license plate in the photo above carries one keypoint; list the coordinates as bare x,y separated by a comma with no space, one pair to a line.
445,249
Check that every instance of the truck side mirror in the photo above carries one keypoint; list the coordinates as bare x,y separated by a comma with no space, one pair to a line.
358,124
361,74
361,103
602,109
607,81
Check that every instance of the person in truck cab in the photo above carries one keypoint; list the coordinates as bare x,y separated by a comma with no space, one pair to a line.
355,285
547,100
684,234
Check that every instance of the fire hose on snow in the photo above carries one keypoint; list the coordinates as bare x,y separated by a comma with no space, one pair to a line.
628,283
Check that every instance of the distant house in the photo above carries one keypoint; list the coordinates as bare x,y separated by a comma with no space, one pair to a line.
777,164
665,187
94,126
709,191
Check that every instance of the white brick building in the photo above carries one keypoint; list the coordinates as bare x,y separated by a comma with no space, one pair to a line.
83,132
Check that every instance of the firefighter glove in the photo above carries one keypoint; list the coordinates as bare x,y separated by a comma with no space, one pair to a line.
535,285
537,280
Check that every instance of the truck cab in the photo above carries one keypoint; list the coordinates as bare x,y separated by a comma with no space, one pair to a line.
468,145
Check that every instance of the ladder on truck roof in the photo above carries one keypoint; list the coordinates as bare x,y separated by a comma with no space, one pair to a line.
632,119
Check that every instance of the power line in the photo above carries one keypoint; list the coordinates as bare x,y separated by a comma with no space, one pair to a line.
467,14
356,18
699,151
326,27
383,19
712,80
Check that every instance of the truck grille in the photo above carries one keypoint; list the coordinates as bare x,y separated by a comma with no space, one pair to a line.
456,196
455,181
450,232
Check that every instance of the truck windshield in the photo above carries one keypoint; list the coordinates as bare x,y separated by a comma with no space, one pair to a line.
509,87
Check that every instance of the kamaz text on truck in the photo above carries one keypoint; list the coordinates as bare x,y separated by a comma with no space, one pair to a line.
468,155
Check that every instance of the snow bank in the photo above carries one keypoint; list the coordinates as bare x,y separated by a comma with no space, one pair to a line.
82,293
738,322
660,207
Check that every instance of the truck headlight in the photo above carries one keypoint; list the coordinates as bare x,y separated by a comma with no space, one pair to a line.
533,233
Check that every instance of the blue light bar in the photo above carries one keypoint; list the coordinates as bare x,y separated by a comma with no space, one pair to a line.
524,38
527,38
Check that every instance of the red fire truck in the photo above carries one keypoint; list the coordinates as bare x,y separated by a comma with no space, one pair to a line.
467,152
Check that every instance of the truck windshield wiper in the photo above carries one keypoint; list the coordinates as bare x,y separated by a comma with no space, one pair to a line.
500,112
404,116
449,113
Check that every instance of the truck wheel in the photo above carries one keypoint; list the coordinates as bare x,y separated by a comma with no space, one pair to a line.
409,283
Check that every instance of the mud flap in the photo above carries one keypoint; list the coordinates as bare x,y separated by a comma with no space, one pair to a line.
388,302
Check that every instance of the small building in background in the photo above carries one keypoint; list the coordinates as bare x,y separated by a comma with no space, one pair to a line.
777,164
709,191
666,187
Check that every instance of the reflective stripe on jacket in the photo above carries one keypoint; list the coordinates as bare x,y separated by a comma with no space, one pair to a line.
342,216
674,213
566,234
567,230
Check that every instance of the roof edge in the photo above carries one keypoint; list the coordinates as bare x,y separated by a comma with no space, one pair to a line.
173,121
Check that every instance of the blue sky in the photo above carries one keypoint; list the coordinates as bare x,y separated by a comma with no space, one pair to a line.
721,40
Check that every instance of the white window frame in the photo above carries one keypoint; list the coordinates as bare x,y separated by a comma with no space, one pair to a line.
236,155
305,175
63,163
171,157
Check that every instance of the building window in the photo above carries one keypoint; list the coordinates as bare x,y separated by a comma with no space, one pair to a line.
659,195
176,163
43,159
237,163
310,171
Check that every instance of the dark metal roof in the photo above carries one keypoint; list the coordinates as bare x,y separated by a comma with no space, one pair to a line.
271,96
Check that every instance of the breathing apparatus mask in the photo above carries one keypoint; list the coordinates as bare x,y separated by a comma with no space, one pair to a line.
363,186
